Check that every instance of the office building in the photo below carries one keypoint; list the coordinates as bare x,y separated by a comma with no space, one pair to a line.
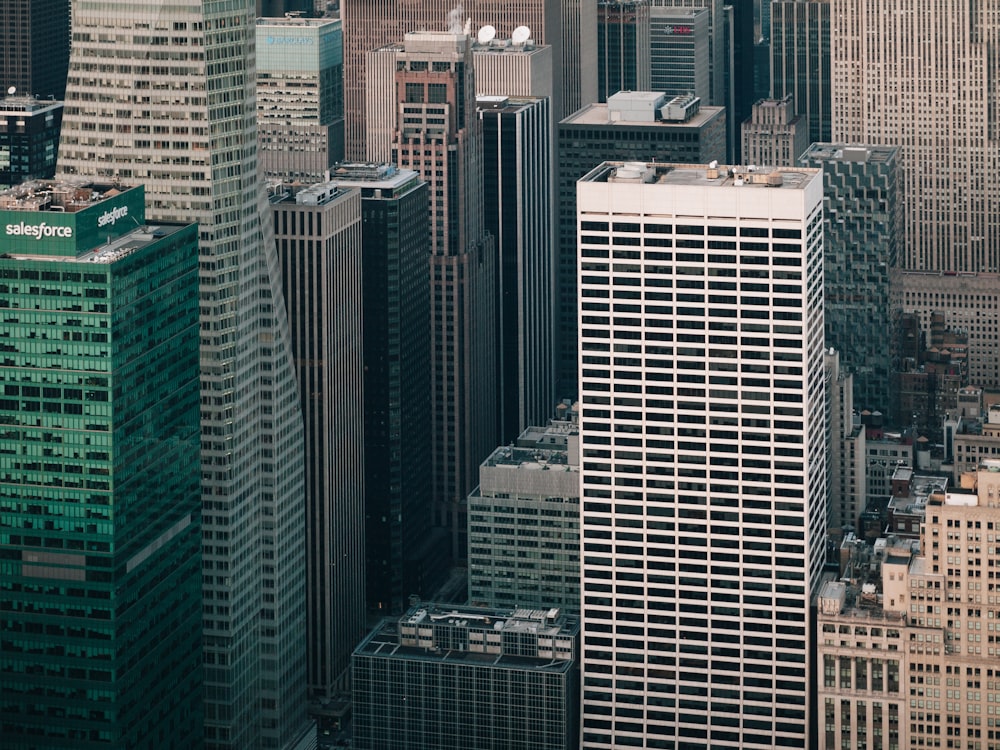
34,47
704,464
862,233
512,67
847,449
569,28
969,302
403,556
100,596
909,655
718,52
318,235
444,678
632,126
300,97
115,126
435,69
774,134
623,47
679,55
888,91
29,139
524,523
740,72
800,63
517,180
503,67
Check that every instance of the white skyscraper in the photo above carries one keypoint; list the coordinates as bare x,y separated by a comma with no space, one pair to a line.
703,453
163,95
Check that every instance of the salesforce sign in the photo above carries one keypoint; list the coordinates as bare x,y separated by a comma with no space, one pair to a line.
75,230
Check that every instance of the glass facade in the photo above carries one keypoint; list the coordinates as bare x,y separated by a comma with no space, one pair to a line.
100,531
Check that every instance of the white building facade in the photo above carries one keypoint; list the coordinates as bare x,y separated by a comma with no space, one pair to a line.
703,453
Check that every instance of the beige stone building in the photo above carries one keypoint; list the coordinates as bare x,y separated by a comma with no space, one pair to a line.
908,658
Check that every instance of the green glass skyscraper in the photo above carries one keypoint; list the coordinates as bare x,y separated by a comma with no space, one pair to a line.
100,512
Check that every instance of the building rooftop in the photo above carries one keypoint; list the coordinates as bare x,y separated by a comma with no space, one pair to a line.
58,196
28,105
699,175
439,632
530,459
601,114
293,21
850,152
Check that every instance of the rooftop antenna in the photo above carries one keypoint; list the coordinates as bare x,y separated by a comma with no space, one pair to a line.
520,35
11,91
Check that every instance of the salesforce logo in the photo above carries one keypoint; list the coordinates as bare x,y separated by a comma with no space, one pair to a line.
38,231
112,215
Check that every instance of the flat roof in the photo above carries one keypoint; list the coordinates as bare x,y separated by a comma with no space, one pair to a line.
701,175
599,114
114,250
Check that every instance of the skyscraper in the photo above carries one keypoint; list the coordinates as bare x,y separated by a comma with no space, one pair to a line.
29,139
774,134
862,235
439,135
300,96
679,56
937,100
173,108
403,555
800,62
318,234
622,47
34,47
632,126
703,440
568,26
517,179
100,595
717,52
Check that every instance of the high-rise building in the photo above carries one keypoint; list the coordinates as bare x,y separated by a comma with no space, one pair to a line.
862,234
403,556
704,466
847,449
524,523
623,47
888,90
300,97
800,62
921,627
502,68
318,235
774,134
34,47
740,97
568,26
679,54
506,67
29,139
446,678
717,51
969,302
187,131
632,126
439,135
100,595
517,185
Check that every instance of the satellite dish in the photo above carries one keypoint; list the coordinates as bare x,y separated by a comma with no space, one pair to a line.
11,91
486,34
521,35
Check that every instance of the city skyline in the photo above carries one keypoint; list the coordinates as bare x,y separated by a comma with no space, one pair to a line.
650,466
